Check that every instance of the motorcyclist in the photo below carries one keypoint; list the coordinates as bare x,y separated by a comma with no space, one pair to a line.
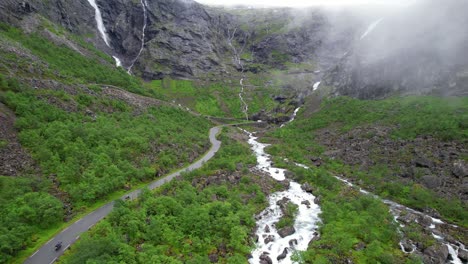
58,245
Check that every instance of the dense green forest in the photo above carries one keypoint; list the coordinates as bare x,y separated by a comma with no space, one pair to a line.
186,221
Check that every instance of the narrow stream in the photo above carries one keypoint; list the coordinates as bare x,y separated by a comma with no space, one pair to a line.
371,27
397,209
245,106
270,245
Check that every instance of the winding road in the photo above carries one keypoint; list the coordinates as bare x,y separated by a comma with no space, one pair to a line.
47,254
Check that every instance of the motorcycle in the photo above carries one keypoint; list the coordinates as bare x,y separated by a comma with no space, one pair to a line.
58,246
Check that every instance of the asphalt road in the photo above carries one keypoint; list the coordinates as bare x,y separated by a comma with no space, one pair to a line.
47,254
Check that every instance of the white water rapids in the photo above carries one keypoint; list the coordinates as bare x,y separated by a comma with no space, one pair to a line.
305,223
145,16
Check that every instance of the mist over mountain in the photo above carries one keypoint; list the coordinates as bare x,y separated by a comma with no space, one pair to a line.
416,50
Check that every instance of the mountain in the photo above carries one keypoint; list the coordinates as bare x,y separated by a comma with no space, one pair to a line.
98,97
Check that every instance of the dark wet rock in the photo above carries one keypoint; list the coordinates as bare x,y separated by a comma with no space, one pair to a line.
286,231
307,203
265,259
269,239
463,254
267,229
292,242
282,255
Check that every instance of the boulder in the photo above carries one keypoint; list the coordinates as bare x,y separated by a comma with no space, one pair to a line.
269,239
431,181
460,169
286,231
267,229
265,259
435,254
463,254
306,202
292,242
282,255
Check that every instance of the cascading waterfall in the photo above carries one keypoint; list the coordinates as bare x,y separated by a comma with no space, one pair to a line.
102,28
396,209
316,85
270,244
292,117
237,60
371,27
144,6
99,21
245,106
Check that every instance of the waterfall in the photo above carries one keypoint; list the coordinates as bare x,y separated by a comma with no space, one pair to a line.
316,85
100,23
144,5
102,28
270,243
371,27
245,106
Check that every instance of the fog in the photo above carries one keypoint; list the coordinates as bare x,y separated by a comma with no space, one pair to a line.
420,47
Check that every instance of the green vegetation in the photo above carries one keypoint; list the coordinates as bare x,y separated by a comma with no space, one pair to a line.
87,146
26,208
90,157
215,99
443,118
70,65
289,216
354,227
184,221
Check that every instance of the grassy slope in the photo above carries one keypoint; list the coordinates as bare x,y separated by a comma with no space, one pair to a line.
87,145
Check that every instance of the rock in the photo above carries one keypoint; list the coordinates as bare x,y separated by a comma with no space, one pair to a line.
267,229
292,242
269,239
286,231
307,203
460,169
423,162
431,181
435,254
360,246
317,200
407,247
307,187
265,259
282,255
425,220
463,254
